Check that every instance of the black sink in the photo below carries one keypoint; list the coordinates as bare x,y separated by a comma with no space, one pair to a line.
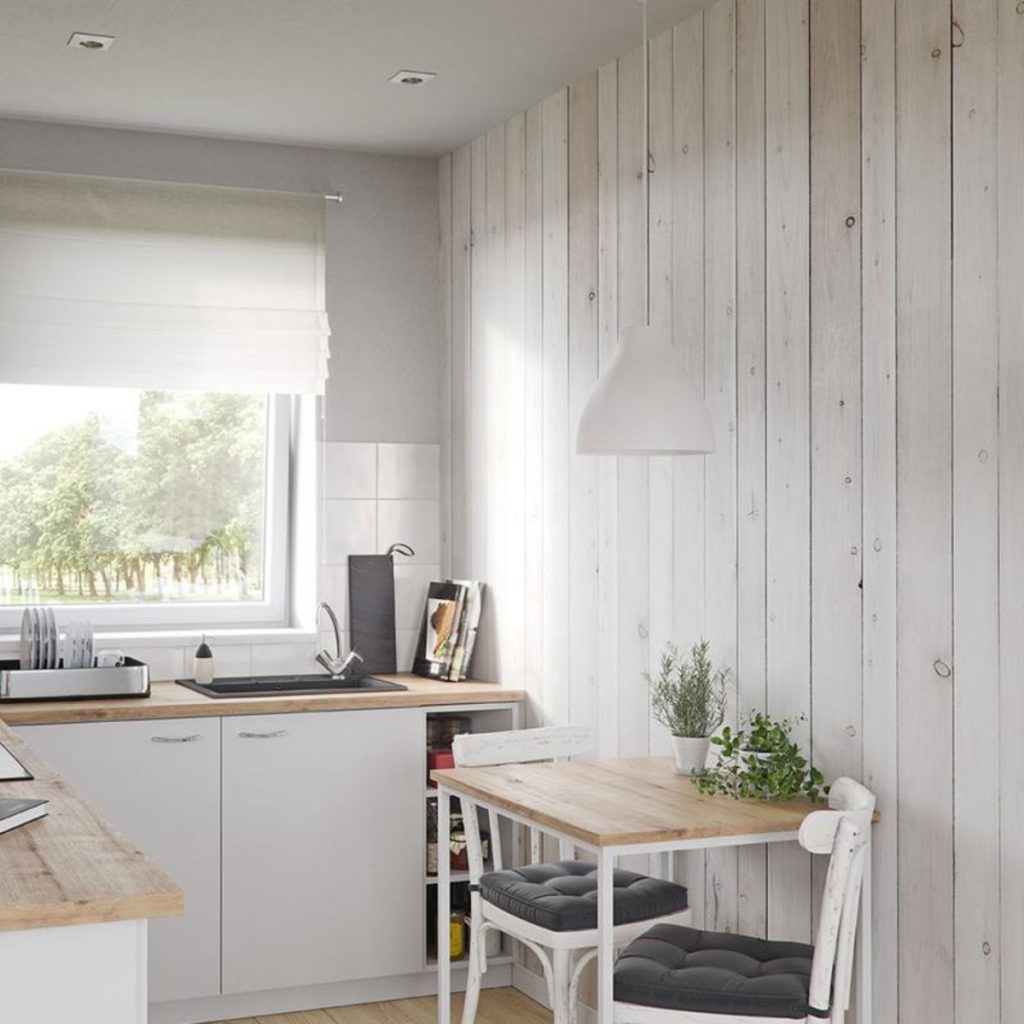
270,686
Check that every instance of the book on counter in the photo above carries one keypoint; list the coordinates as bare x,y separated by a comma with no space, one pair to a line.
451,619
20,812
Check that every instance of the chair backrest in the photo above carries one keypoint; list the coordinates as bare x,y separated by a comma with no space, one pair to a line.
843,832
518,746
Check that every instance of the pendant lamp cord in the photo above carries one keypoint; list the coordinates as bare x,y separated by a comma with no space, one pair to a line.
646,167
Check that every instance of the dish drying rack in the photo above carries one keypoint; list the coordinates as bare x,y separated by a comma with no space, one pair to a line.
128,680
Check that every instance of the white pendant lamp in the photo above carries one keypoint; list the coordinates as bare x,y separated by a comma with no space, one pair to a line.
645,403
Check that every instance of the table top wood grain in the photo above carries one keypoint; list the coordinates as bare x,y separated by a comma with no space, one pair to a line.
72,867
621,801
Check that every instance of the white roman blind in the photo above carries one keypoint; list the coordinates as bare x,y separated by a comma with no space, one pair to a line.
105,282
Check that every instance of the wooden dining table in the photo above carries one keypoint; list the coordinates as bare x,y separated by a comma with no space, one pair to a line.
613,808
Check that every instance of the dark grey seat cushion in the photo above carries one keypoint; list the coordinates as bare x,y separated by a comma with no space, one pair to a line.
713,972
563,896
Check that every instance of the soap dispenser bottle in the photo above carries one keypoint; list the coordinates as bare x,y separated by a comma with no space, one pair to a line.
202,664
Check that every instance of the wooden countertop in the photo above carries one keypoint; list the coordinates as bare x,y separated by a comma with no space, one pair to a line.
172,701
621,801
71,867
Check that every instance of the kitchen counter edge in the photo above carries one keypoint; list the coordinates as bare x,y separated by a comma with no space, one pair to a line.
72,867
170,700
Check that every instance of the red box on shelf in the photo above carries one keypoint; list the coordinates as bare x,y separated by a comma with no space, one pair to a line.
439,759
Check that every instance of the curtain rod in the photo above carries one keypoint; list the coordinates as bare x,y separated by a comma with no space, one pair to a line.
331,197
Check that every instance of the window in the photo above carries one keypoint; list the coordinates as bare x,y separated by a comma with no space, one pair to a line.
161,350
145,506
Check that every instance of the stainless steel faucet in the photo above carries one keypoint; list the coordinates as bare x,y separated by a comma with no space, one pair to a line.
336,664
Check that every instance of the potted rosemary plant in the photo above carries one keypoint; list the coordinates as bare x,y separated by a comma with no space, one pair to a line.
688,698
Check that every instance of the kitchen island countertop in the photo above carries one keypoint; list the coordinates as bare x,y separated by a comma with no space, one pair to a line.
71,867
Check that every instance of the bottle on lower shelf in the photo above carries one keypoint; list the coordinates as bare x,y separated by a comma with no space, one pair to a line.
457,934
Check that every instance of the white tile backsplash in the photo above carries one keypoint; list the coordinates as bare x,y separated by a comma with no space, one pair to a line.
411,583
350,528
333,589
280,659
164,662
228,660
409,471
416,523
325,640
350,470
405,643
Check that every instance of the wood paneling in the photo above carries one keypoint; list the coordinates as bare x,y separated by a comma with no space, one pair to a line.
512,651
632,572
751,350
1010,174
976,514
582,522
924,512
787,462
554,481
720,390
835,393
836,235
688,331
533,495
607,640
878,349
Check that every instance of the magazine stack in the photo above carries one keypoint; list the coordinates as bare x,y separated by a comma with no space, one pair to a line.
448,634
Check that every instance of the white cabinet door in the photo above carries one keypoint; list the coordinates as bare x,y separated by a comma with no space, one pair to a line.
158,782
322,847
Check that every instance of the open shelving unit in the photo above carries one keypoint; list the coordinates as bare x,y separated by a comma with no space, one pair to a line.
483,718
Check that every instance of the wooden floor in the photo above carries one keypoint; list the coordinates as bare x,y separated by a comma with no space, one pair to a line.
497,1006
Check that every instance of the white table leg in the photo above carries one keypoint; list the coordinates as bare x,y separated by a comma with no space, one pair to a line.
444,892
864,953
605,936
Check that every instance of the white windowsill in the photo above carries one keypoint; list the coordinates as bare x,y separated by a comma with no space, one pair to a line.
190,637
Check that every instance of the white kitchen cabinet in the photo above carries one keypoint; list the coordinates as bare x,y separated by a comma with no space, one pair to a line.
158,782
322,847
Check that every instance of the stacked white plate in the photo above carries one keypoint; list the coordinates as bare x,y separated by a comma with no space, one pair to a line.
42,646
78,645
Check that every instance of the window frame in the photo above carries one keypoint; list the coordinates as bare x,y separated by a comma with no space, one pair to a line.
274,611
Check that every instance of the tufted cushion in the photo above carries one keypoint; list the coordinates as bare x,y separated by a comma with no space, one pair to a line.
712,972
562,897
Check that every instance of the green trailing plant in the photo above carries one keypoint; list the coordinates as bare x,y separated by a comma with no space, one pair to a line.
688,696
761,761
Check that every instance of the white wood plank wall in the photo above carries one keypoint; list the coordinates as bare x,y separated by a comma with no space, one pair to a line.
836,241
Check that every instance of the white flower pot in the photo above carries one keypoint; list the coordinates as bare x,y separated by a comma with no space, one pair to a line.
691,753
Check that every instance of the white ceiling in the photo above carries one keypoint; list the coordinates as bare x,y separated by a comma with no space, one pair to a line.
312,72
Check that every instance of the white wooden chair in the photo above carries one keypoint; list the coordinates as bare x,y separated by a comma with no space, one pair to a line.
555,934
681,976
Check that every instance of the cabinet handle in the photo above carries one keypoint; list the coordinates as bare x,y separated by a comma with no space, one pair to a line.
176,739
263,735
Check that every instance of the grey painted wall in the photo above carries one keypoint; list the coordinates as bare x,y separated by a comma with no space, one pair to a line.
382,284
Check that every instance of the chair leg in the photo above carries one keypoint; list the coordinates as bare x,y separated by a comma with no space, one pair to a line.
574,985
473,974
561,963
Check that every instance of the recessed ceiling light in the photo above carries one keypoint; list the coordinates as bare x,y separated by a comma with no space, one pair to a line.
412,77
90,41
